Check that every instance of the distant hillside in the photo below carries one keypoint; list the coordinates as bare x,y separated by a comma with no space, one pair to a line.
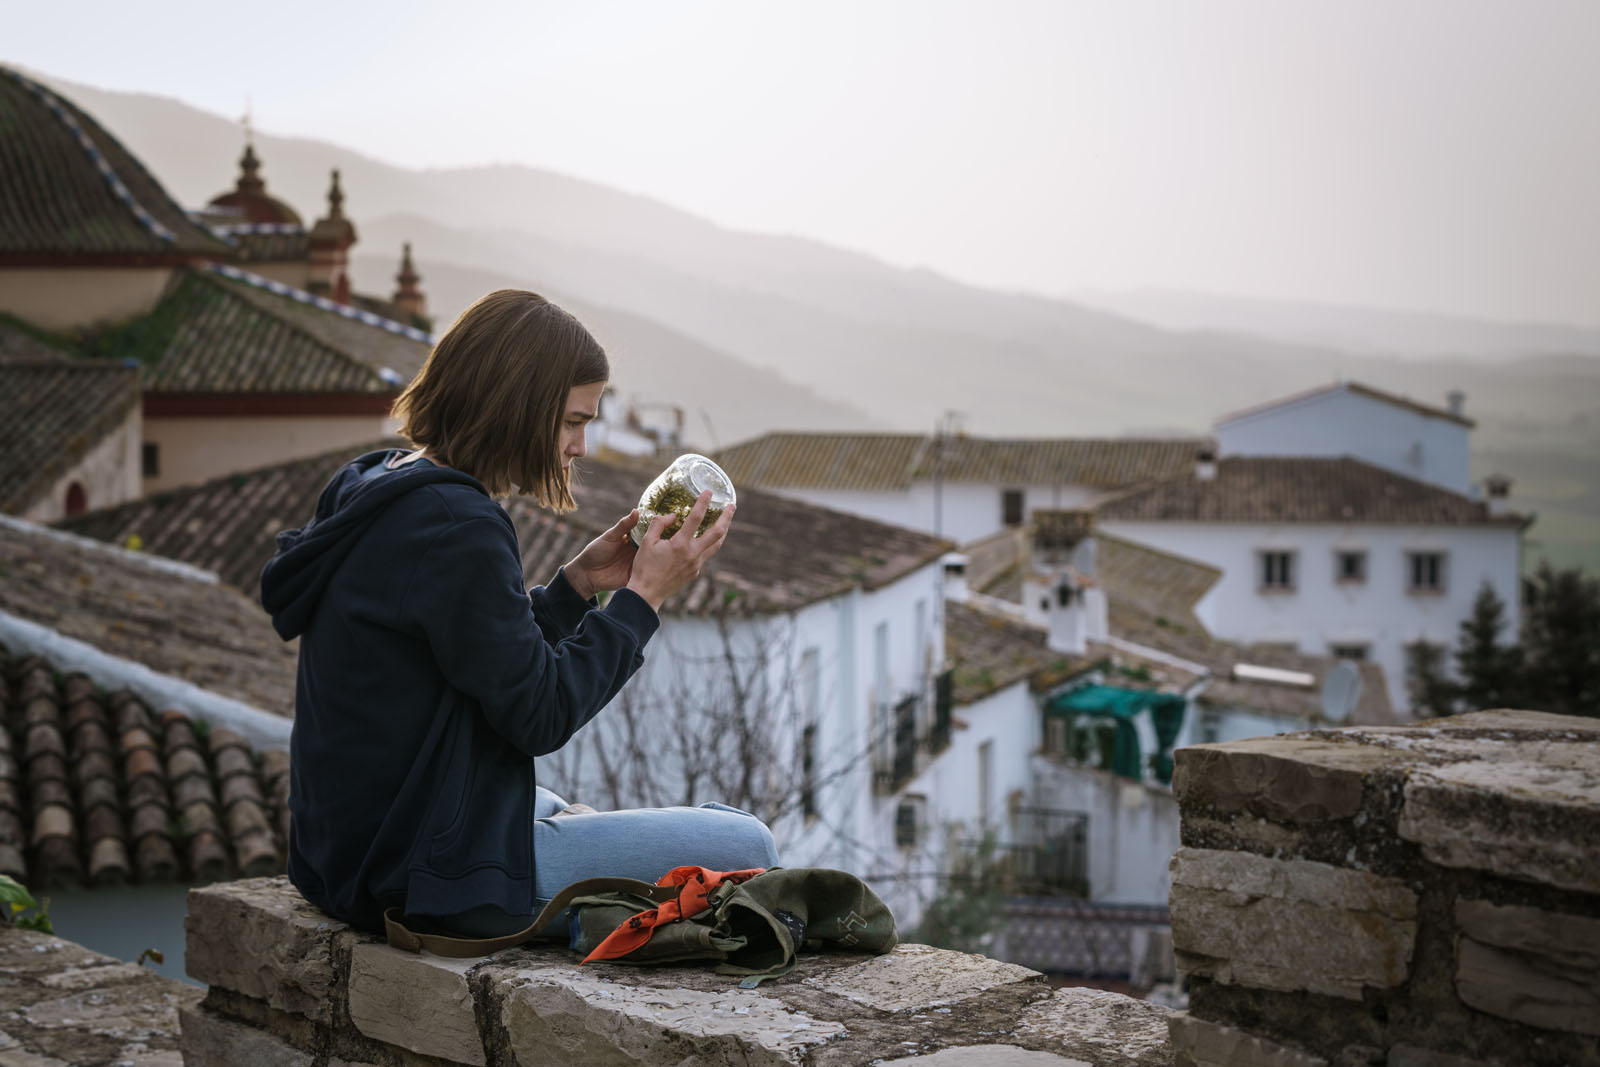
1356,329
690,300
724,399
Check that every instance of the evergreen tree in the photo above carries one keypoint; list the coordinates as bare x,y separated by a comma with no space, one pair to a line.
1561,641
1490,672
1431,693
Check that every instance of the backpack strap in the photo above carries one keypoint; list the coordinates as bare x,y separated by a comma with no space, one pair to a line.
402,936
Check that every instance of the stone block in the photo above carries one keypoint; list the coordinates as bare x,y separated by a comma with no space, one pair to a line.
1289,925
1289,779
1415,1056
1197,1043
1108,1029
919,977
1529,812
556,1017
985,1056
417,1001
260,937
1536,967
209,1040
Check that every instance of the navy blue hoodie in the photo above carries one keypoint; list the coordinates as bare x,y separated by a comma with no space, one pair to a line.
429,678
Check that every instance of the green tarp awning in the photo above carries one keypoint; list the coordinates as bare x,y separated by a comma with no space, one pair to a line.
1123,706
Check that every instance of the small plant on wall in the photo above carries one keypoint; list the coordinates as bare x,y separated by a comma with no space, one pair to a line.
20,909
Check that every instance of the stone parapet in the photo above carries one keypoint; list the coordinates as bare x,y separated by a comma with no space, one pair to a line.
289,986
1423,896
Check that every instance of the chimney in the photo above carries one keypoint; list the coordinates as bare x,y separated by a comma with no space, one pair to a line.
1205,464
1498,489
954,569
1457,402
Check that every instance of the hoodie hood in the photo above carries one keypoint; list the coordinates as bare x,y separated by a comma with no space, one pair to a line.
293,580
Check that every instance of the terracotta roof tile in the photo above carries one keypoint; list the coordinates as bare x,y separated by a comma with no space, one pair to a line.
894,461
103,810
52,413
988,652
211,334
59,201
168,618
21,343
1263,489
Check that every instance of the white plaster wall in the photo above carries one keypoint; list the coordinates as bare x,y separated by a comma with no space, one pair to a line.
1133,828
965,511
1343,423
68,298
195,449
854,828
1321,612
108,472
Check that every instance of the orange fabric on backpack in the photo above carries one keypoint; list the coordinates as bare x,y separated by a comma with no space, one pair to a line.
696,884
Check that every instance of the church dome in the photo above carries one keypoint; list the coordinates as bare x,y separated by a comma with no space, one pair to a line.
249,198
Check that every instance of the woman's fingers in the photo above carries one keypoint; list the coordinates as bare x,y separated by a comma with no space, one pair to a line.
697,513
626,523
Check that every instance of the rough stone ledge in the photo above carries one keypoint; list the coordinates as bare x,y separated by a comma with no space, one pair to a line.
62,1004
339,996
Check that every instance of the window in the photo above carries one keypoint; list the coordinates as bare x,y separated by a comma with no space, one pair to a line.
908,820
1055,736
1011,507
151,456
1277,572
1352,651
808,697
1350,566
1426,570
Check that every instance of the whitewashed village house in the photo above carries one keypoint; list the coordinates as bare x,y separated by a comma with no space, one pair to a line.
953,486
1342,522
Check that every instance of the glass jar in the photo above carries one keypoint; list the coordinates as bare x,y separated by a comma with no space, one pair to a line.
675,491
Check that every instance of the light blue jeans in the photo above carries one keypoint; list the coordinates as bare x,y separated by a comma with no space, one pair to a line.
642,843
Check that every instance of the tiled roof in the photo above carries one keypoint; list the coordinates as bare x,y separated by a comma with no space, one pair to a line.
127,604
1101,463
1406,402
988,651
781,555
1159,584
214,334
73,189
225,525
894,461
271,246
824,460
21,343
52,412
1299,489
100,788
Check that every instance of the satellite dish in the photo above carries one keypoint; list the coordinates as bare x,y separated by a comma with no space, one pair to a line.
1341,688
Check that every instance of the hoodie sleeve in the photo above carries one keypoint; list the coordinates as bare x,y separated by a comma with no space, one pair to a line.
557,607
467,596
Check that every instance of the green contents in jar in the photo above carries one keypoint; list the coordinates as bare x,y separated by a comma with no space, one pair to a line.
673,497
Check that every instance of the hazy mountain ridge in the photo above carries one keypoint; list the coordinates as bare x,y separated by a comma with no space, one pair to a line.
1370,330
863,337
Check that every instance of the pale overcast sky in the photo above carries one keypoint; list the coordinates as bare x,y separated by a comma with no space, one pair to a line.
1435,155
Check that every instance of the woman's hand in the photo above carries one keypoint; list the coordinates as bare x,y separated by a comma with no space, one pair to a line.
661,568
607,561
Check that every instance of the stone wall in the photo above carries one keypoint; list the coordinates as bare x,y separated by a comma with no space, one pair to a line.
291,988
1423,896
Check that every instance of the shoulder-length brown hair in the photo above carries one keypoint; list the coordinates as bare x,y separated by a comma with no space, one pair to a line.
490,398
